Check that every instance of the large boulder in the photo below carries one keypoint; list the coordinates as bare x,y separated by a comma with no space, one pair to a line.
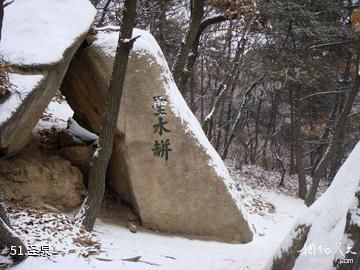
38,53
38,176
162,161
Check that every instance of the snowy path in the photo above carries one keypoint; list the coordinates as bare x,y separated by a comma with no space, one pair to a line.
160,251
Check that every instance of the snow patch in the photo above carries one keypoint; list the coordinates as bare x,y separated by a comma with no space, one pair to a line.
41,227
38,32
164,252
55,115
5,260
22,85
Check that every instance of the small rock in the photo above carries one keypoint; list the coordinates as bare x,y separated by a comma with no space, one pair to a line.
133,259
132,227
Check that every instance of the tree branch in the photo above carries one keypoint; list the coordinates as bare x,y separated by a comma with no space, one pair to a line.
8,3
322,93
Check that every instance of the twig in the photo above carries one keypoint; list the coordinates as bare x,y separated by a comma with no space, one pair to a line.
323,93
334,43
8,3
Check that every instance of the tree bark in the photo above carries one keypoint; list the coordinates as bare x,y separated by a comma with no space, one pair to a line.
227,85
253,154
97,172
103,13
1,16
297,146
191,59
197,13
237,119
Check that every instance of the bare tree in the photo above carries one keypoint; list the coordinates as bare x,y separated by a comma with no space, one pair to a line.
336,137
3,5
97,174
197,13
297,143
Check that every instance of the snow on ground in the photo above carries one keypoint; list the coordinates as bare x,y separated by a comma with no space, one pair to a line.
56,115
39,227
20,87
272,212
50,27
121,249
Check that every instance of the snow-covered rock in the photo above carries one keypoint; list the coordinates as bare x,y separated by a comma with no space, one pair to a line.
38,32
162,161
316,241
38,42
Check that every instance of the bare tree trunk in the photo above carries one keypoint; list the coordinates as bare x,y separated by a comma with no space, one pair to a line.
192,92
220,126
279,160
236,121
292,150
270,129
335,111
336,164
253,157
197,13
162,26
3,5
103,13
202,91
228,84
297,145
1,16
190,62
97,172
327,133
